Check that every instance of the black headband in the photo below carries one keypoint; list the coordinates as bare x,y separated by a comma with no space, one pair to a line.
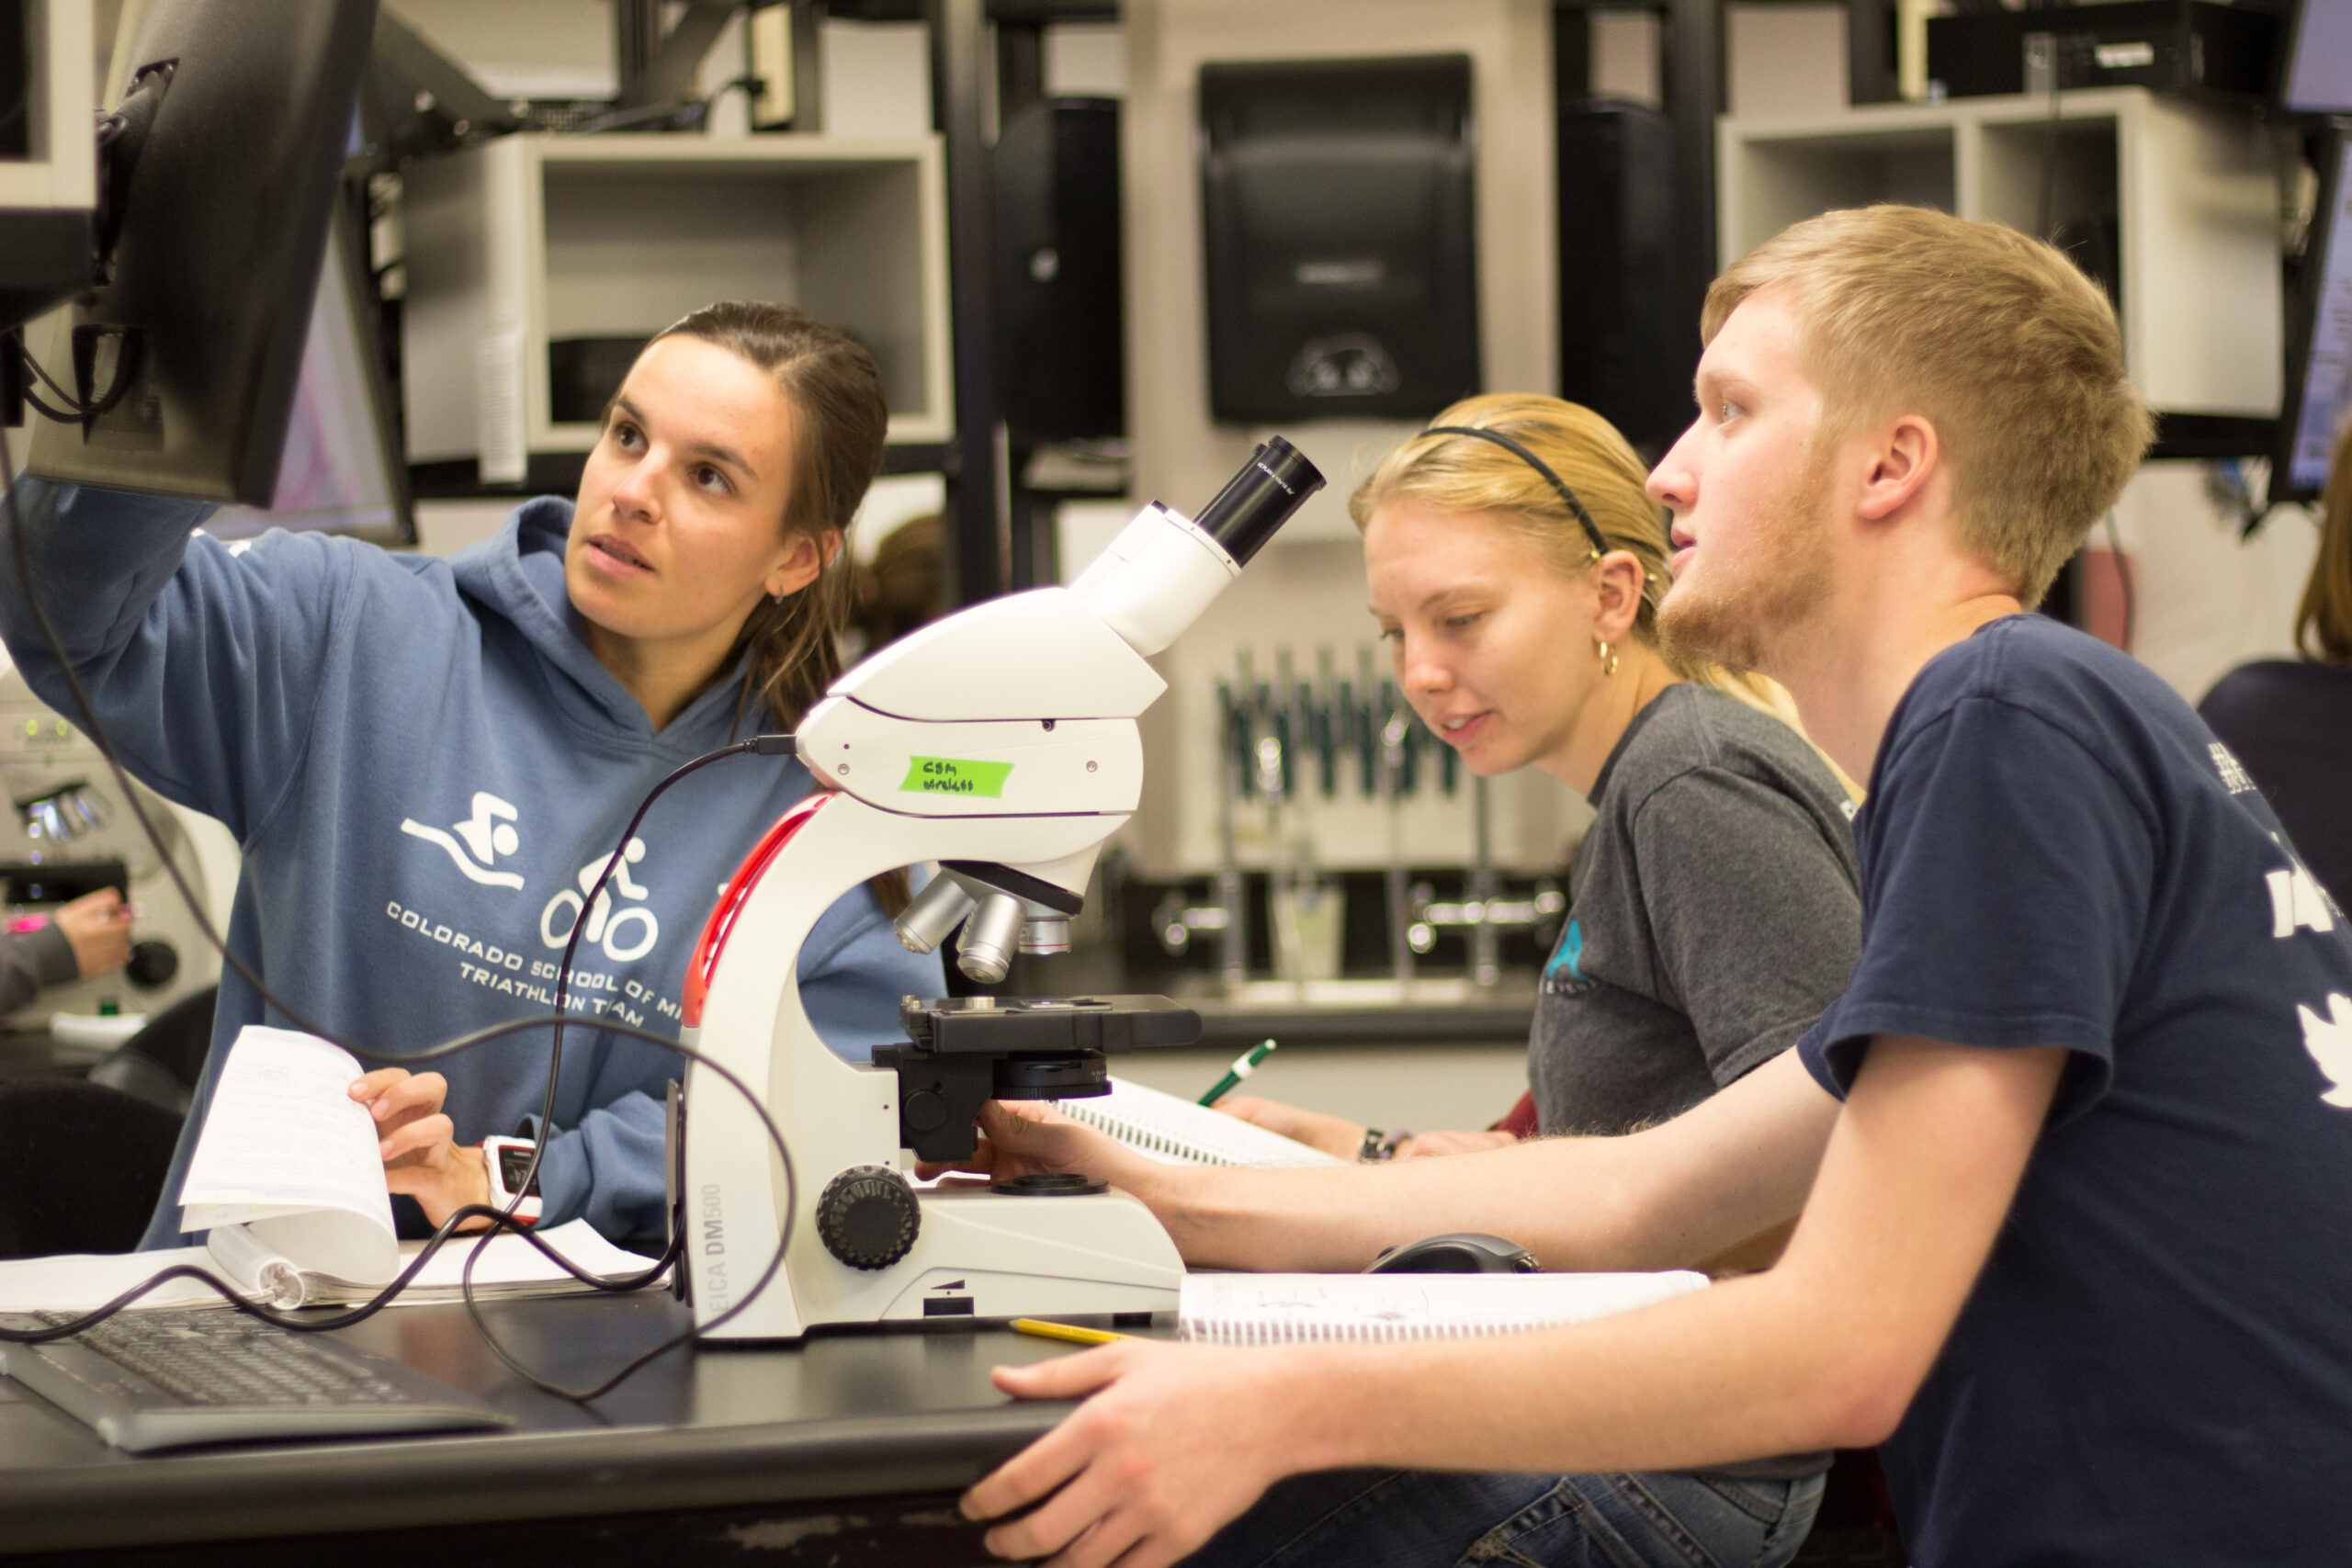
1591,529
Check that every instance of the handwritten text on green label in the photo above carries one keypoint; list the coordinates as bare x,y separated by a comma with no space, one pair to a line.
954,775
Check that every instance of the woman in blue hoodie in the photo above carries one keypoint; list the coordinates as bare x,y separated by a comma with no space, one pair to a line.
427,762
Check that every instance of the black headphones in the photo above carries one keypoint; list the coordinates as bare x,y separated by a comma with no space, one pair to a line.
1591,529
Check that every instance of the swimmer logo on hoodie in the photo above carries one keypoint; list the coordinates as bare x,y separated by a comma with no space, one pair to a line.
618,924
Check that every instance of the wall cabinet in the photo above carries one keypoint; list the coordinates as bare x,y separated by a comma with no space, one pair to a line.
2174,203
535,261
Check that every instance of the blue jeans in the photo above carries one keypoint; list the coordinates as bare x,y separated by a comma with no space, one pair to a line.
1370,1518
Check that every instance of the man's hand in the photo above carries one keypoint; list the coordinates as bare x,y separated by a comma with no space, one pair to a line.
1335,1135
1173,1442
421,1155
97,927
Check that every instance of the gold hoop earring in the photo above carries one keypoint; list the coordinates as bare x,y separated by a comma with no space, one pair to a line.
1608,658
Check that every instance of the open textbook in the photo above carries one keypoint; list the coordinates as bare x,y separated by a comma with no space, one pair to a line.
287,1183
1178,1132
1284,1309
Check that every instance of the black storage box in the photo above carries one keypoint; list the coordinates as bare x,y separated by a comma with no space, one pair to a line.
2182,45
1629,323
1059,312
583,373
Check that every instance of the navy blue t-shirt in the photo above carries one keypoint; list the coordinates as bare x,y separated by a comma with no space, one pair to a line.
2156,1363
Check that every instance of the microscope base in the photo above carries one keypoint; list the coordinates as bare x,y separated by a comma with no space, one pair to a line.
980,1255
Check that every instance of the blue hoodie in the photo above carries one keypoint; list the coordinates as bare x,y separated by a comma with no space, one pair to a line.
426,767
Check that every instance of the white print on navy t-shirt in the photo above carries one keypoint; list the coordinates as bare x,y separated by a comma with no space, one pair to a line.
488,833
603,925
2297,903
2329,1040
2233,774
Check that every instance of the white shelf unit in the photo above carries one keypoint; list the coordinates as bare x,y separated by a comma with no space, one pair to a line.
2193,189
533,239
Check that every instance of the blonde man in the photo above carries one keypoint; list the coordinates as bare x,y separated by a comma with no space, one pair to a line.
2074,1244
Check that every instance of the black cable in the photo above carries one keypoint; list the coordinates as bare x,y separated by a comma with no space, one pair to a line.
571,944
764,744
2122,574
498,1219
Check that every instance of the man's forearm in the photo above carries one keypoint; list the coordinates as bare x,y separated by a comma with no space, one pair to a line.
1740,1371
1824,1351
1670,1196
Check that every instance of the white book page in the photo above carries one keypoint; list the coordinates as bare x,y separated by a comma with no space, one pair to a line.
1177,1132
286,1150
76,1281
511,1260
1280,1309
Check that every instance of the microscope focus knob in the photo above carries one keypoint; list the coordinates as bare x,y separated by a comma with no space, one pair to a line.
867,1216
153,963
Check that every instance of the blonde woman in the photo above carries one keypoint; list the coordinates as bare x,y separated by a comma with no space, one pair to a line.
1515,567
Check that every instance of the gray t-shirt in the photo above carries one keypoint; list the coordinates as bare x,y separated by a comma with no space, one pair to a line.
1714,914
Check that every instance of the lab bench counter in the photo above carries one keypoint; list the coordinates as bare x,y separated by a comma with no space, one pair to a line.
1364,1013
704,1451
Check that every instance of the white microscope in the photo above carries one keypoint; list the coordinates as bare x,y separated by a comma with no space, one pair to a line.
1001,742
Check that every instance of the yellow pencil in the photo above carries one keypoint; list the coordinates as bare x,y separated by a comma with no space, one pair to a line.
1068,1331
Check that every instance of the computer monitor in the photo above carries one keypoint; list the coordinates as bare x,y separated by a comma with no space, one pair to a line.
196,343
2317,77
340,470
2319,345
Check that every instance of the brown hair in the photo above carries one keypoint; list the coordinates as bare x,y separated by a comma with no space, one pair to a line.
842,419
901,590
2323,621
1997,340
1465,474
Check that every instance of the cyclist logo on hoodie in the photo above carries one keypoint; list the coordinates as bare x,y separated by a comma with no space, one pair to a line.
475,844
625,934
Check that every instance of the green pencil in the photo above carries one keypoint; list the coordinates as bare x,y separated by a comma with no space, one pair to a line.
1243,1066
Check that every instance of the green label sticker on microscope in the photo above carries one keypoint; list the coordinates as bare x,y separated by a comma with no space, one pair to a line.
954,775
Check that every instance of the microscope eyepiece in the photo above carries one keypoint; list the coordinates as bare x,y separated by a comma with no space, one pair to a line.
1272,485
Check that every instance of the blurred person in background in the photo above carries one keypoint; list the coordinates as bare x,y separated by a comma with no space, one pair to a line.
2288,721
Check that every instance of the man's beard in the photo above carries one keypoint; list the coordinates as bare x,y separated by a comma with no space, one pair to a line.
1741,623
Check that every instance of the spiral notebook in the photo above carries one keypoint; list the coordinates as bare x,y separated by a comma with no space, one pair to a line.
1287,1309
1178,1132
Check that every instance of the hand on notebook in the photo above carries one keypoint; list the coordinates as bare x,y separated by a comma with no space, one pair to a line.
1335,1135
1466,1143
1173,1442
1343,1139
421,1155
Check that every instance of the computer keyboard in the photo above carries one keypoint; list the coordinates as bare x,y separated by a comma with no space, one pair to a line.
165,1379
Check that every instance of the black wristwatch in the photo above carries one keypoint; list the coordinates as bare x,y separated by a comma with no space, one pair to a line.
1378,1145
